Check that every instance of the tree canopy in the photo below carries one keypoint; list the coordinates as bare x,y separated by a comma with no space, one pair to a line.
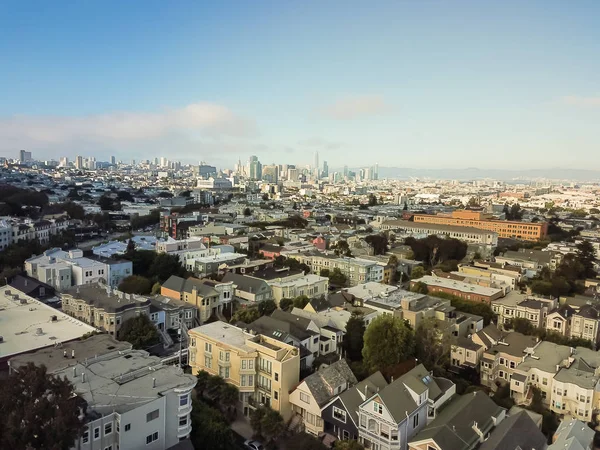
139,331
354,339
209,428
433,250
398,339
38,411
266,307
336,277
433,344
136,284
267,423
378,242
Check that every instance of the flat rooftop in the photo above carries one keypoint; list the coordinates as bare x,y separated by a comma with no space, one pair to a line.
458,285
76,351
122,381
227,334
110,300
26,324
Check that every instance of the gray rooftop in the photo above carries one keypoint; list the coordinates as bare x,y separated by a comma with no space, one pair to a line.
572,435
103,297
517,431
352,398
323,384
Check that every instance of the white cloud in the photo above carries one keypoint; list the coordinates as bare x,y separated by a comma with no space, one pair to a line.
349,108
206,119
575,100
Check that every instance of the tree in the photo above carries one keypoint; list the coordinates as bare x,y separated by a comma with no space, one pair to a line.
301,301
336,277
354,340
586,253
229,396
420,288
165,265
130,248
139,331
372,200
38,411
405,208
271,425
156,287
214,386
417,272
285,304
107,203
349,444
136,284
304,441
473,202
74,211
378,242
523,326
398,339
247,212
246,315
209,428
342,248
266,307
265,197
594,211
433,344
203,376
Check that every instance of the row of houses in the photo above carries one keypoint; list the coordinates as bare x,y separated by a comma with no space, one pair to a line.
14,230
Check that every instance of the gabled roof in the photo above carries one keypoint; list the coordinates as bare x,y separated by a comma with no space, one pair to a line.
244,283
179,284
516,431
297,321
353,397
572,435
279,329
453,427
330,381
27,284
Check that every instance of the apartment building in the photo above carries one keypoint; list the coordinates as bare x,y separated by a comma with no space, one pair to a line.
506,281
103,307
357,270
391,417
209,296
309,285
528,231
132,401
5,234
576,321
516,305
460,289
466,234
330,338
264,369
500,361
315,392
530,261
249,288
468,350
27,229
568,378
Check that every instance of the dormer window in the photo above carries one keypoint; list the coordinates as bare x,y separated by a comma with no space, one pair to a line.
378,408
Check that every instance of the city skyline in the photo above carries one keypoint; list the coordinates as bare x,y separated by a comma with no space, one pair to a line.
489,87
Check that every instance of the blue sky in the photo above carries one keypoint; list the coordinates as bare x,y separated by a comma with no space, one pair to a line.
402,83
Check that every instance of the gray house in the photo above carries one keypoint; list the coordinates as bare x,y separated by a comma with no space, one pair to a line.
249,288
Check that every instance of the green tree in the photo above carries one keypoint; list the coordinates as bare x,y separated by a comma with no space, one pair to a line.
337,278
349,444
586,253
398,339
130,249
301,301
433,344
286,304
209,428
228,398
246,315
202,384
156,288
417,272
215,386
38,411
354,340
271,425
378,242
165,265
372,200
523,326
247,212
139,331
420,288
324,273
136,284
304,441
342,248
266,307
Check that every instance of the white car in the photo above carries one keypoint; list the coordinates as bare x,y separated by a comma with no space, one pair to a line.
253,445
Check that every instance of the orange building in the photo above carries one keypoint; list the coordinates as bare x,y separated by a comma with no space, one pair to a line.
528,231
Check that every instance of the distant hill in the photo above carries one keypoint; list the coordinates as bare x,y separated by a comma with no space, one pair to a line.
473,173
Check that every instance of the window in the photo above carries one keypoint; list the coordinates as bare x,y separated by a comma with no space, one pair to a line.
304,397
378,407
85,438
276,376
224,372
183,421
96,433
152,415
345,435
363,421
276,395
208,362
108,448
512,364
545,381
107,429
224,356
151,438
415,421
184,399
127,427
207,347
339,414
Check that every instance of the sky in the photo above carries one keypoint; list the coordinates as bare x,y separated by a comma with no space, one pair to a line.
418,84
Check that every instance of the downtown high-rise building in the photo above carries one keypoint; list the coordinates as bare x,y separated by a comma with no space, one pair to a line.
113,160
270,173
24,156
79,162
254,168
316,167
325,172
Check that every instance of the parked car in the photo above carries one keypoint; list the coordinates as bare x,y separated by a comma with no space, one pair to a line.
253,445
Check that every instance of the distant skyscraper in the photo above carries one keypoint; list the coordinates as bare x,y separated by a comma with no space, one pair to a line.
164,162
24,156
316,167
254,168
325,172
113,160
270,173
345,171
79,162
64,161
376,172
293,174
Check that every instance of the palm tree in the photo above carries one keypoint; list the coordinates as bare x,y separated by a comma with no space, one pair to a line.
214,386
228,398
203,379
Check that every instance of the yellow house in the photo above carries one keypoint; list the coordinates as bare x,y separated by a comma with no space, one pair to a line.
264,369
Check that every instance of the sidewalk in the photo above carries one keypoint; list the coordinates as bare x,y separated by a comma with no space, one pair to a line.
241,426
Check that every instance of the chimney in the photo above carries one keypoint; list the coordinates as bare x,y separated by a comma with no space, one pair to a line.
153,383
83,377
72,354
64,353
74,372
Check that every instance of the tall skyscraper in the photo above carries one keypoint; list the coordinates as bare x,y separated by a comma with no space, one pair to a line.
24,156
113,160
325,172
79,162
254,168
345,171
376,171
270,173
64,161
316,167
